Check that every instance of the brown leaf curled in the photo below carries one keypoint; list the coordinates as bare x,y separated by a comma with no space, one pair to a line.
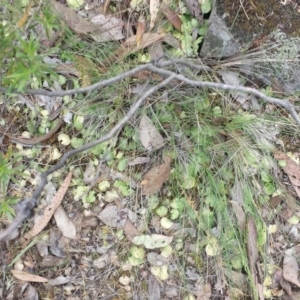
154,178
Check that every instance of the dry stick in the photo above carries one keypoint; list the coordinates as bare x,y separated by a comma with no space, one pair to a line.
25,208
150,67
280,102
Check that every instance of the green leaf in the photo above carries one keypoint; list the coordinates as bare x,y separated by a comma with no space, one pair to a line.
212,200
204,28
153,202
76,142
206,6
188,182
269,188
6,206
162,211
78,122
178,203
134,261
174,214
104,185
122,164
261,234
137,252
91,197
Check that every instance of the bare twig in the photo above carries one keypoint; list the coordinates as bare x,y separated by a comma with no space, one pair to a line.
159,70
25,208
280,102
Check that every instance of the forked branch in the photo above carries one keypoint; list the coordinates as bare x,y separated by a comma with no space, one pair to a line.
25,208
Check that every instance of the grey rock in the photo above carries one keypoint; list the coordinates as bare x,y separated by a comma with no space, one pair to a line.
219,42
276,58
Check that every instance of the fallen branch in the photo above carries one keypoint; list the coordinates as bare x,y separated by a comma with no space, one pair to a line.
25,208
159,69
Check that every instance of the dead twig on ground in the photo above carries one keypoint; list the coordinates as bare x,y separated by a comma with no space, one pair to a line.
160,69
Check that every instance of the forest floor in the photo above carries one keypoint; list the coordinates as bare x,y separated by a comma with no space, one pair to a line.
191,190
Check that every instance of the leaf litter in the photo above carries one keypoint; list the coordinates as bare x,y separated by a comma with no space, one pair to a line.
118,217
48,212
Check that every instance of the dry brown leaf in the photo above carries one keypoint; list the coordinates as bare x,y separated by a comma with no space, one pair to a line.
48,211
251,242
30,293
51,261
154,179
156,51
115,216
25,16
147,39
65,225
84,67
24,276
172,16
111,28
290,267
252,253
278,279
72,19
275,201
149,135
58,243
296,296
129,230
141,28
